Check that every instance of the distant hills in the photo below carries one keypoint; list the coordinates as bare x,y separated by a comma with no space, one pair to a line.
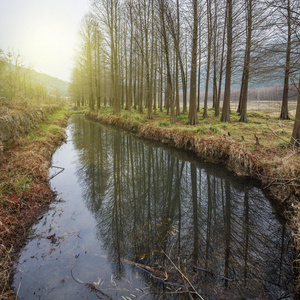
52,84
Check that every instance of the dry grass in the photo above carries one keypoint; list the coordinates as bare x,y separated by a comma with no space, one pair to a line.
264,138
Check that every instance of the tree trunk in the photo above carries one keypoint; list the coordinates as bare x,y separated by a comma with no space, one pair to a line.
244,90
169,95
129,96
217,107
209,37
193,118
296,130
177,61
226,103
199,73
284,115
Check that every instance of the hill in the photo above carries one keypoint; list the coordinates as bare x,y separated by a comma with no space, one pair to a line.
51,83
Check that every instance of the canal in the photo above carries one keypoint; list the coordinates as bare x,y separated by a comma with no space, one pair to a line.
138,220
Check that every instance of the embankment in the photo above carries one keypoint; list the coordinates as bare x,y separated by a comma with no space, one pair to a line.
280,180
24,184
15,124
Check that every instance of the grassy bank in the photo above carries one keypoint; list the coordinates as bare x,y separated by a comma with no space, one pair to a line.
24,188
263,143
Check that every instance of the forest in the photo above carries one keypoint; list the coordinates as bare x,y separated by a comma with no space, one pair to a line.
186,56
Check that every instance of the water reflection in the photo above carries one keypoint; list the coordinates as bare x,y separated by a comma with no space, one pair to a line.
146,200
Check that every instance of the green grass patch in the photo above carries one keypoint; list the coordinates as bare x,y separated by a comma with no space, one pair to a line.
14,182
182,117
283,144
59,115
48,128
77,112
163,123
259,123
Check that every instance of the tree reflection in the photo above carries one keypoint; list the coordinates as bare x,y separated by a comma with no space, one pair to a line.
146,200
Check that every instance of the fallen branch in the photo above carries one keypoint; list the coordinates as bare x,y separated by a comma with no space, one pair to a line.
156,274
184,279
205,270
90,286
281,183
269,184
195,291
62,169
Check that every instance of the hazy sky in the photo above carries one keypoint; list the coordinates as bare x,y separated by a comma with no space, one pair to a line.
44,32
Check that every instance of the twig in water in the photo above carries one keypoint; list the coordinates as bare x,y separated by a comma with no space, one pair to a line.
183,276
205,270
89,285
62,169
184,279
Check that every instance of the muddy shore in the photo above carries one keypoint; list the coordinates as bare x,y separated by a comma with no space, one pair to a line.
25,190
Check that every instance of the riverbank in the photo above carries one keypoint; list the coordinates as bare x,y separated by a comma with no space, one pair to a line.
258,150
25,191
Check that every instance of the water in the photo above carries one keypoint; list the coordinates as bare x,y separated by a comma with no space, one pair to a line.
126,201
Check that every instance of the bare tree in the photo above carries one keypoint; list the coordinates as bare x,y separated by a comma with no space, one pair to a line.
193,118
209,40
169,95
245,76
296,129
226,103
284,115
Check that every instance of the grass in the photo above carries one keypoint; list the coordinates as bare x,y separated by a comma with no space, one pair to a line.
14,183
50,128
263,124
264,137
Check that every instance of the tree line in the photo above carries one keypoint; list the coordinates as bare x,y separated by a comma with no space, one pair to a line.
20,83
155,54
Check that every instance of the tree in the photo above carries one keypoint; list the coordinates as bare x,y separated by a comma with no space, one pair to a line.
245,76
193,118
169,95
217,104
284,115
285,12
226,103
296,130
209,40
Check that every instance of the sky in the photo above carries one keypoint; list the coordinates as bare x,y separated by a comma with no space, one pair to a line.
43,32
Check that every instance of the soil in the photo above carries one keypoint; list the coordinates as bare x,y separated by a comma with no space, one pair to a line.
24,195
